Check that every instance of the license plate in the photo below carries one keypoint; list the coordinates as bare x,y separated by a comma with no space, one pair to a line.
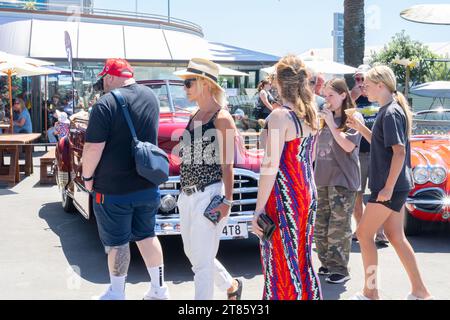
235,231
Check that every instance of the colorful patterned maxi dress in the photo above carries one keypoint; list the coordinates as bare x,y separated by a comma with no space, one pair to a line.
286,258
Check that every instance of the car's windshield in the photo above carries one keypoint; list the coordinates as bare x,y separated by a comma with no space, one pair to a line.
180,102
432,123
443,115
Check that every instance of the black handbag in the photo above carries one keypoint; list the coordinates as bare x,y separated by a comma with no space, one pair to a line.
266,223
152,163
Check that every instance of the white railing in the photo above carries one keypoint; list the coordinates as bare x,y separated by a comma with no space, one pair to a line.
32,6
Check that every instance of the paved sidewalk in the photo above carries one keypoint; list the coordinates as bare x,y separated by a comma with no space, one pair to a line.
49,254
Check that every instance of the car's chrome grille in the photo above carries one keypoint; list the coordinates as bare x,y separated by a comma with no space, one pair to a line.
244,195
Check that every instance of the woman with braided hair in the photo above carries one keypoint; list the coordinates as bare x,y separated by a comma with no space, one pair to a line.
287,192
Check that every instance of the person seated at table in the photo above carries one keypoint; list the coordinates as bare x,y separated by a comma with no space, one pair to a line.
23,122
61,128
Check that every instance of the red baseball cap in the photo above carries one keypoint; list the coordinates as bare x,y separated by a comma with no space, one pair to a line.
117,67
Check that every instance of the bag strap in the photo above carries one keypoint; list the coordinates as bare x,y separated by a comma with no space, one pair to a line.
122,102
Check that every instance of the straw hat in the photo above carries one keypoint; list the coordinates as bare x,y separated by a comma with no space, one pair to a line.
202,68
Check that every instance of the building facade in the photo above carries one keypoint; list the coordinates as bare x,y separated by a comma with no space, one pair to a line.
155,46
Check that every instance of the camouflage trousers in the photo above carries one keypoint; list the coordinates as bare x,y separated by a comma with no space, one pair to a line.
333,230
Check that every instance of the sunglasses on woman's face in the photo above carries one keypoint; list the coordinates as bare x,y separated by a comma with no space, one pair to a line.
188,82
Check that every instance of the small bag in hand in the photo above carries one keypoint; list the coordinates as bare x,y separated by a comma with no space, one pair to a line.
213,217
267,225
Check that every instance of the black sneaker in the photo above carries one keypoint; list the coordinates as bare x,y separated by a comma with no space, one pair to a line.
337,278
323,271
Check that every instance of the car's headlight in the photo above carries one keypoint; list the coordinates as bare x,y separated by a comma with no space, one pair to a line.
168,203
438,175
421,175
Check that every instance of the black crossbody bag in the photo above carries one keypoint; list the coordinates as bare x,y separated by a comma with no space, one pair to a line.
152,163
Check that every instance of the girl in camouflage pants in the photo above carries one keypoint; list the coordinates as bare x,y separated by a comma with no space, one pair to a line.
338,178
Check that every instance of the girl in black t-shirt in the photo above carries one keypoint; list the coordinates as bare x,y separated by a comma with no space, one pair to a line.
265,100
390,181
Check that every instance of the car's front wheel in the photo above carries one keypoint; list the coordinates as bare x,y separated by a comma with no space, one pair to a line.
413,226
67,202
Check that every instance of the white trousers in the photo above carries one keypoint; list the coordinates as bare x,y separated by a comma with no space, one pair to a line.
201,242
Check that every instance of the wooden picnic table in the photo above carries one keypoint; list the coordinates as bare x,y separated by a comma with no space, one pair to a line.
11,143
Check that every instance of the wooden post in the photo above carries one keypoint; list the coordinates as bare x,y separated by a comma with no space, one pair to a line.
45,106
11,121
408,76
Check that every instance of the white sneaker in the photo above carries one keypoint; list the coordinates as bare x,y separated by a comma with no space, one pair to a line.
360,296
413,297
110,295
157,293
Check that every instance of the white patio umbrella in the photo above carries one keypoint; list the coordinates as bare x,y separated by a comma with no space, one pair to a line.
13,65
320,65
428,14
436,89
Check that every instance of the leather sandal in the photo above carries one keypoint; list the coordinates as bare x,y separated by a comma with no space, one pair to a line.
238,292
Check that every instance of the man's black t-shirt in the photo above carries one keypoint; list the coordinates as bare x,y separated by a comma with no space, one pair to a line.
390,129
369,113
116,173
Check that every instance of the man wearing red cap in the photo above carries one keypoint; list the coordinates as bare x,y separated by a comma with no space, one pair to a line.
125,204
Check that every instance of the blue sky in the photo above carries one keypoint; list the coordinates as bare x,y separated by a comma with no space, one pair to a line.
286,26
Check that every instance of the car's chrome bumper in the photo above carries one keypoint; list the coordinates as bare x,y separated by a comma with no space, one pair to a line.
431,200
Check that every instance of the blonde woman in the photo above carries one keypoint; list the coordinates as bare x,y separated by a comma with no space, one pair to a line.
206,172
287,192
390,182
23,123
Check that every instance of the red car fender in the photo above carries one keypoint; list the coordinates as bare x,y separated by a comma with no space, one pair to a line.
63,154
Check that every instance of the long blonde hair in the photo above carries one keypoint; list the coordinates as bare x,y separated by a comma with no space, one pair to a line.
292,78
385,75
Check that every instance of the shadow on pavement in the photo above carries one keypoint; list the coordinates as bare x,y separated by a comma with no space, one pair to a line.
6,192
332,291
82,248
435,238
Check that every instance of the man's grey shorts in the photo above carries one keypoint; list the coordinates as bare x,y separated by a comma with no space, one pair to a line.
364,159
118,224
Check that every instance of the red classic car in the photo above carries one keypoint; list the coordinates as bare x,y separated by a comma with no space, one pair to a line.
175,112
430,153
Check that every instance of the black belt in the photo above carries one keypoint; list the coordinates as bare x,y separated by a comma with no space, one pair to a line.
189,191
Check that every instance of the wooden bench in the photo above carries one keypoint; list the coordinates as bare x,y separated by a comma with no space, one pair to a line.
47,172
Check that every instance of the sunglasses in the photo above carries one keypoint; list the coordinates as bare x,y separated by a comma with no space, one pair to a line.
188,82
359,79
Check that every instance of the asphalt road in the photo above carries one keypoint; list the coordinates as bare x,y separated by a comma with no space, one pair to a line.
49,254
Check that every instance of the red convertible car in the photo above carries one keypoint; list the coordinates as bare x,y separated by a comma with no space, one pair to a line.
430,153
174,116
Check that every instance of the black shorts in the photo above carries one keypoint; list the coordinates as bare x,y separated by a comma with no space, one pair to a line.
396,203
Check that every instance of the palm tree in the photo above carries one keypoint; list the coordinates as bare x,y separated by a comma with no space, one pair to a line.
354,32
